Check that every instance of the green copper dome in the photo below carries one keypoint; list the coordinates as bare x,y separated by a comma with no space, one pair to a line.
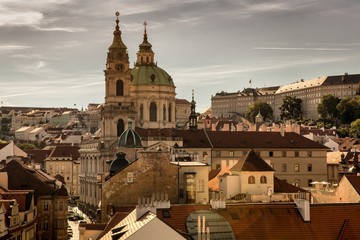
150,75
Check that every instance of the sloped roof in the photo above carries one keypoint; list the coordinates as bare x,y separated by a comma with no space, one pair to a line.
278,220
281,186
23,178
38,155
261,140
65,151
118,217
354,181
251,162
182,101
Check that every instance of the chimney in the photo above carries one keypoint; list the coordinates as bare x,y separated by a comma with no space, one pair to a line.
282,130
303,206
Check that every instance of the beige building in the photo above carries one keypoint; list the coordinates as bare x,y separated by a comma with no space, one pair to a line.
295,159
310,91
182,112
64,160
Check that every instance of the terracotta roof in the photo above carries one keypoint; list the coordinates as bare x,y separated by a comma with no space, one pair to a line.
261,140
213,173
38,155
281,186
23,178
182,101
354,181
278,220
251,162
65,151
191,139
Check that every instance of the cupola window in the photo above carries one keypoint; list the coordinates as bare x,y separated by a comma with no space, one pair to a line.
153,112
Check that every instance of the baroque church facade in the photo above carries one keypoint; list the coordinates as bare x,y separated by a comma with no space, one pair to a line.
142,96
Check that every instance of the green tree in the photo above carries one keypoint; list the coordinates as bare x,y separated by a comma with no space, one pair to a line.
291,108
265,110
349,109
355,128
327,107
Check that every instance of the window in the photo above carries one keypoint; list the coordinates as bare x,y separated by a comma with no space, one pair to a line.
153,110
283,167
296,167
217,154
45,206
119,88
271,154
296,153
251,180
169,113
46,224
141,112
283,153
263,179
120,127
309,154
164,113
231,153
309,167
309,182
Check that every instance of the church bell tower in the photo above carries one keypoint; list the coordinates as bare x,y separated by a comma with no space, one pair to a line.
119,106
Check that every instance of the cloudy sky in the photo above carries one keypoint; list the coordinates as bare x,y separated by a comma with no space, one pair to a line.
53,52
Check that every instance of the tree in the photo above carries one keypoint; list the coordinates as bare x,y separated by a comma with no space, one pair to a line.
265,110
349,109
355,128
291,108
327,107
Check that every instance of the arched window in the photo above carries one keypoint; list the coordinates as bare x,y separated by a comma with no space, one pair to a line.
263,179
120,127
153,111
119,88
164,113
251,180
169,112
141,112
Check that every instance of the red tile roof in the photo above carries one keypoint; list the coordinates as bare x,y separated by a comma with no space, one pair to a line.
261,140
251,162
278,220
354,181
65,151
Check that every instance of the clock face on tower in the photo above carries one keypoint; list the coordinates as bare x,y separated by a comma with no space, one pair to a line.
119,67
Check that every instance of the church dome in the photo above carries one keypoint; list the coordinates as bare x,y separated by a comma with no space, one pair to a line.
129,139
150,75
119,163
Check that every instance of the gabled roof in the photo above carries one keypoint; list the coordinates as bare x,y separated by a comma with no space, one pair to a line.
251,162
277,220
281,186
38,155
23,178
62,151
354,181
261,140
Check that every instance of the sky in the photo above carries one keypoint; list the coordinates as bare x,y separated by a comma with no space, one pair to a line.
53,52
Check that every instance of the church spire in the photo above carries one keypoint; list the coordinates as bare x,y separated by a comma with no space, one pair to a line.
193,116
117,41
145,55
